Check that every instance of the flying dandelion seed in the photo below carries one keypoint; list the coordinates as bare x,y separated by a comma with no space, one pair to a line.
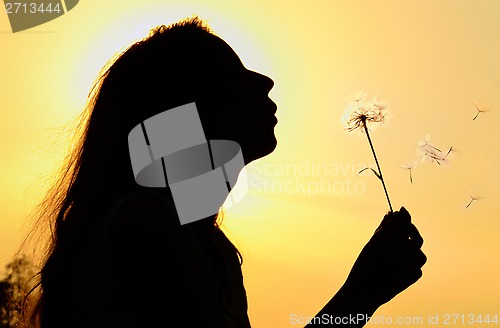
409,166
425,144
365,116
434,157
448,152
429,152
473,197
480,109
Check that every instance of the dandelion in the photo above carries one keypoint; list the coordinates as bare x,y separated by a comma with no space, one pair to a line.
473,197
409,166
479,108
365,116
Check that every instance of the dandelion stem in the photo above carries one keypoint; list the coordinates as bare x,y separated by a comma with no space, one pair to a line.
378,166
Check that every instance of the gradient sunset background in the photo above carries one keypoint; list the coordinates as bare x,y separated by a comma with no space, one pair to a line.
307,214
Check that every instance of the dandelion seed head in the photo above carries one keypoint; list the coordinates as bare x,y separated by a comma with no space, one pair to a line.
361,114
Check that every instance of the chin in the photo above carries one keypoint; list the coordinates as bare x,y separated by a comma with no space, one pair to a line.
258,149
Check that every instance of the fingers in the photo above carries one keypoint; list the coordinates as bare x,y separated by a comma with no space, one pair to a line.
393,256
420,259
409,256
411,259
415,258
412,277
407,266
398,235
397,226
401,216
414,236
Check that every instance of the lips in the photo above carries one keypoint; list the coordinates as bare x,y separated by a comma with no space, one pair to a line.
274,106
274,109
266,112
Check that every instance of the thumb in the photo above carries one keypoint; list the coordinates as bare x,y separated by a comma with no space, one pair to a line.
404,215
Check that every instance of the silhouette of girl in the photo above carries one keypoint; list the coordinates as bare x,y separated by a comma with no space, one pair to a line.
119,257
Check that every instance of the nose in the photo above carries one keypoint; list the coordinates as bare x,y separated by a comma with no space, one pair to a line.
263,82
268,82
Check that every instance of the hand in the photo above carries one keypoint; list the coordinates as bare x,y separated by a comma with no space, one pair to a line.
388,264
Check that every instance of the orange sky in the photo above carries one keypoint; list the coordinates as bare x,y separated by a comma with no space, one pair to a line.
308,213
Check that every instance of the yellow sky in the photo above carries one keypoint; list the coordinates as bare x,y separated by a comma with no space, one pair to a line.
308,213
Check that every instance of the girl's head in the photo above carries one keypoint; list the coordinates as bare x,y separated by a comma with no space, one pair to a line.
175,65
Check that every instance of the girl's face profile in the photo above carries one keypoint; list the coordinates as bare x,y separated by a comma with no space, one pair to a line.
239,105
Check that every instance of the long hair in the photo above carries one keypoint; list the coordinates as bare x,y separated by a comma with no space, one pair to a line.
161,71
